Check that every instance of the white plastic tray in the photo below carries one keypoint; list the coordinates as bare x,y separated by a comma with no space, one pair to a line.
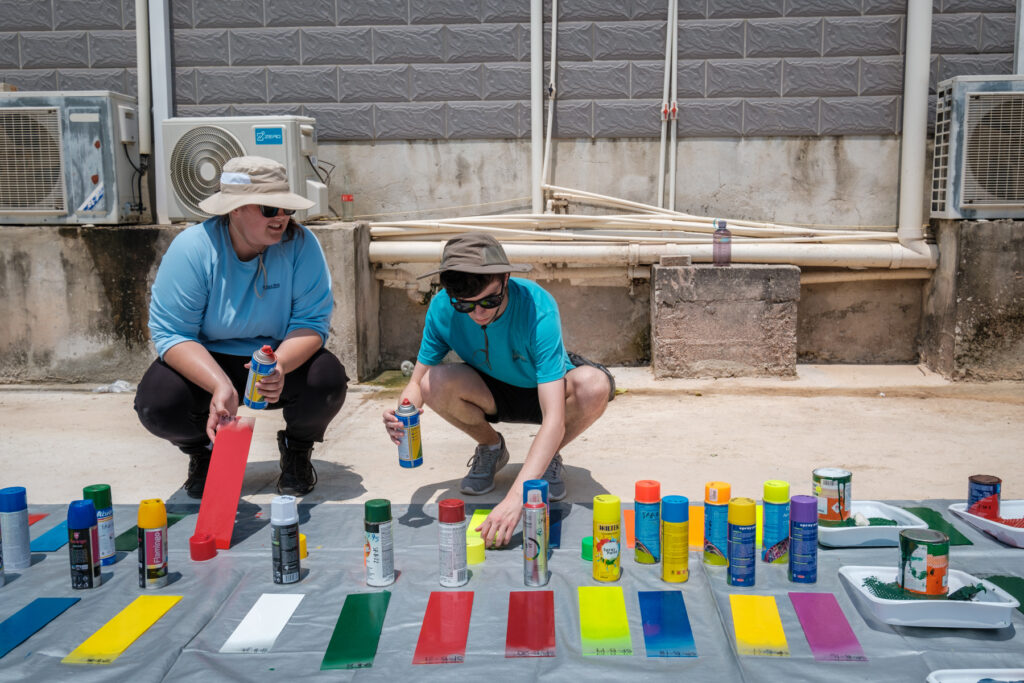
1007,534
992,609
974,675
870,536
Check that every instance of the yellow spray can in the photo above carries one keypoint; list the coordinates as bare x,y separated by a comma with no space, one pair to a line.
607,537
675,539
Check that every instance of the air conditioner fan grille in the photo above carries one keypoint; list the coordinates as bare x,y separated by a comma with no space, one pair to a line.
196,163
994,149
31,177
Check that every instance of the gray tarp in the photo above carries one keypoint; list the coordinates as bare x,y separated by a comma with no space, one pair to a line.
184,644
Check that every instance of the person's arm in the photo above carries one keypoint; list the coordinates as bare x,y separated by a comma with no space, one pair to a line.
196,364
502,521
412,392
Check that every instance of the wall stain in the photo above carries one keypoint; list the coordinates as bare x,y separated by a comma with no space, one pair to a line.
123,258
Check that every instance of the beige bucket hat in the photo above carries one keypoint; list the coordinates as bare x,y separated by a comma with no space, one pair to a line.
253,180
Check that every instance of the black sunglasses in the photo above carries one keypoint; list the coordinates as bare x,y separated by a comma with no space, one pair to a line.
271,211
487,303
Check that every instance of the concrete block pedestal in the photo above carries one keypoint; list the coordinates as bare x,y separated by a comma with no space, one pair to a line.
734,321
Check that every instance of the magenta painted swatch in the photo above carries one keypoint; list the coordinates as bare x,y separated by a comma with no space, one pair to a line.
827,630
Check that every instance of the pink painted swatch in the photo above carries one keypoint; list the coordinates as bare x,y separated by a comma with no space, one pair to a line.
827,630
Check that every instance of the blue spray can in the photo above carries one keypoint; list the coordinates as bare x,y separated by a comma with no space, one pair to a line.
803,539
410,450
716,522
263,363
775,531
647,521
83,545
742,538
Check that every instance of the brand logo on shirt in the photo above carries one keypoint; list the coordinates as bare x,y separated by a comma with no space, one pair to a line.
276,285
516,357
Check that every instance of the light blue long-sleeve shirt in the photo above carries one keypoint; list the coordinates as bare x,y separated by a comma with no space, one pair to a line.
204,293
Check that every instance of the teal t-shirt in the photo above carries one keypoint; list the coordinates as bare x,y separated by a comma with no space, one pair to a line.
523,347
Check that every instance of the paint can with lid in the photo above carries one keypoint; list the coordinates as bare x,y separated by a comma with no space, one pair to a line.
924,562
451,517
983,494
832,486
263,363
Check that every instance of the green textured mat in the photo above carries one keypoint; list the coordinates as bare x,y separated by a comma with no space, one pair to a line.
937,522
354,641
129,540
1014,585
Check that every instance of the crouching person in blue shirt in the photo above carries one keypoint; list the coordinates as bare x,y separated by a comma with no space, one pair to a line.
516,369
247,277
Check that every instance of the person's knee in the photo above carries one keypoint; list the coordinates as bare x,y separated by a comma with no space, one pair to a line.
589,388
328,380
442,383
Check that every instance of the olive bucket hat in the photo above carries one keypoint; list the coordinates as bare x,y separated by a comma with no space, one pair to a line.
476,252
253,180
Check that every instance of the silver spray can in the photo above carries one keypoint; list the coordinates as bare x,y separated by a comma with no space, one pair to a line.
284,536
535,541
451,517
263,363
379,544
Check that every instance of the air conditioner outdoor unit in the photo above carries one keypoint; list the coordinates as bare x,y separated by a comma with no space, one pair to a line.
68,158
195,150
978,166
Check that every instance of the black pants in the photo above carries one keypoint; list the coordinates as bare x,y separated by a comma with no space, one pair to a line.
175,409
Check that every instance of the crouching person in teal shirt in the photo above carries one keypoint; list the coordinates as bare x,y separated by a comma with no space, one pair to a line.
247,277
516,369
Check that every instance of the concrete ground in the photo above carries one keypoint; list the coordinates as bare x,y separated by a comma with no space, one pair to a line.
904,432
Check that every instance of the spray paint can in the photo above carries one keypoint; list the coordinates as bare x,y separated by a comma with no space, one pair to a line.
542,486
14,527
607,537
284,539
803,539
675,539
99,494
833,487
647,521
983,495
379,544
742,538
775,530
410,450
451,517
152,543
924,562
83,542
3,578
535,541
716,522
263,363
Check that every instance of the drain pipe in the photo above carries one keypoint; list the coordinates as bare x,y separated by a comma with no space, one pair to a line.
536,103
142,68
161,89
915,125
664,105
673,124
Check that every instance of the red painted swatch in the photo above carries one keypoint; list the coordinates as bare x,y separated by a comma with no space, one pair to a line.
629,526
224,482
445,629
827,630
32,519
531,624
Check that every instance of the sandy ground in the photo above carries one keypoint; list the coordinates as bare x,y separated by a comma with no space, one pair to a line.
903,432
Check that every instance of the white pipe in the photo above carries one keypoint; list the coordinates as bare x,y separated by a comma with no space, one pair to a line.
878,255
536,103
673,124
664,104
916,74
816,278
143,78
1018,40
546,170
163,96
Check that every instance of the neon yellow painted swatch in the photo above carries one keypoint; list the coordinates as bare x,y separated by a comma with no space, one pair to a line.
114,637
604,626
478,518
758,626
759,526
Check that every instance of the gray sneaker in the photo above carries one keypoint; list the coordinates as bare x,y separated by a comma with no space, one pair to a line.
553,476
484,464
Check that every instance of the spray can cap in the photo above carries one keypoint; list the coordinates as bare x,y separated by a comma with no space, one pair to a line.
268,350
284,510
717,492
99,494
803,509
742,511
152,514
607,509
647,491
776,491
81,514
675,509
13,499
533,496
540,485
377,510
451,511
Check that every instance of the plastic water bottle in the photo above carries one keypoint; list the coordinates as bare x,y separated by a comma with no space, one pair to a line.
721,244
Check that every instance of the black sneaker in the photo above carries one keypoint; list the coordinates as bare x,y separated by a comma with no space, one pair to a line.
553,476
198,468
484,464
298,477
